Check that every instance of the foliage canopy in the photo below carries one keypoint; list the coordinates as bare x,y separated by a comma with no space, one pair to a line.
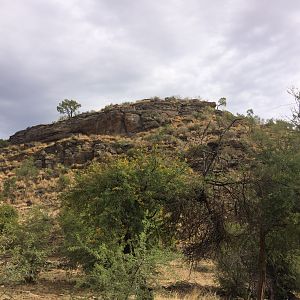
123,213
68,107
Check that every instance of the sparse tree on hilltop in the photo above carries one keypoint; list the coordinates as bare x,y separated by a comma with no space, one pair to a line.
222,102
68,107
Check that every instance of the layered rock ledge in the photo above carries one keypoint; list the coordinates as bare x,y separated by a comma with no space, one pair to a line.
123,119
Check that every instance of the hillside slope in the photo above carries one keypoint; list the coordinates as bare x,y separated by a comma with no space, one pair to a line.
40,163
174,126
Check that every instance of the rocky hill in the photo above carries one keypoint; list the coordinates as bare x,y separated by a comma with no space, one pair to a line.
125,119
176,126
43,161
172,124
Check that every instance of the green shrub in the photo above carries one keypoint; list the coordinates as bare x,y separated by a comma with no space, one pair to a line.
237,267
4,143
26,244
9,185
27,170
8,216
283,265
117,275
265,259
117,216
163,134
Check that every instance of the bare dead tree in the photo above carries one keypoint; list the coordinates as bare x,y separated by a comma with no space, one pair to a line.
295,92
204,226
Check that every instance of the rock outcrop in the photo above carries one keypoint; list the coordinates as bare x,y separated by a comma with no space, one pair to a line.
124,119
75,152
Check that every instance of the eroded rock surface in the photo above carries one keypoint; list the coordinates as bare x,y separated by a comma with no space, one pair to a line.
124,119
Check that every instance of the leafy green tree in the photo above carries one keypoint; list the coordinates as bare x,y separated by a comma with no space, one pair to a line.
249,211
222,102
68,107
117,216
267,212
276,210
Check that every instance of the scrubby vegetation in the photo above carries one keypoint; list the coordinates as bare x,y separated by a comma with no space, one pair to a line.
119,219
24,244
4,143
210,186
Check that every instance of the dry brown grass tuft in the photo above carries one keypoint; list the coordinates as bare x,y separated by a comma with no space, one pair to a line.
194,295
180,282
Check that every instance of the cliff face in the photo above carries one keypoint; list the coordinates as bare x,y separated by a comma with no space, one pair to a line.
124,119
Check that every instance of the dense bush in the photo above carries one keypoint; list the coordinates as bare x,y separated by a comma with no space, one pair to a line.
117,217
119,275
267,206
25,245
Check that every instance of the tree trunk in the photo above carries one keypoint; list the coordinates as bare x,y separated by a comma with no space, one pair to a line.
262,266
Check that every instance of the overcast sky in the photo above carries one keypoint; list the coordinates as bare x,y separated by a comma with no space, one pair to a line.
109,51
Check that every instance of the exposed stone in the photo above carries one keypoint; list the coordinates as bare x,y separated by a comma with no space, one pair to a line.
132,122
39,163
126,120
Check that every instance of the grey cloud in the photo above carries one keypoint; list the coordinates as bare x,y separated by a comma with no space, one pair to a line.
113,50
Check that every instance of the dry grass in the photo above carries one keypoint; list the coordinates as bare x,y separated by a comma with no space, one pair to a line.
195,295
177,282
180,282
